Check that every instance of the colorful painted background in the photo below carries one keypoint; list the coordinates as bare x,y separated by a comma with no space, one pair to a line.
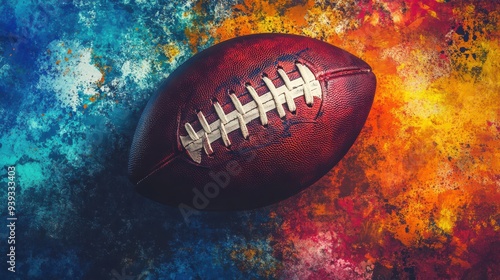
417,196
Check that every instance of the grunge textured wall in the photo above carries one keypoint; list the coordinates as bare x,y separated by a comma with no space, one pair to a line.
417,196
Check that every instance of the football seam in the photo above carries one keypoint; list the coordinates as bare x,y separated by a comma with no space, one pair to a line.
168,159
348,71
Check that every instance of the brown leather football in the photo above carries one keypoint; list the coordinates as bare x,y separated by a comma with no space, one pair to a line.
249,122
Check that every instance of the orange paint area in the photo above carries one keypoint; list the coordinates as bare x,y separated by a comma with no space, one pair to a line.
418,193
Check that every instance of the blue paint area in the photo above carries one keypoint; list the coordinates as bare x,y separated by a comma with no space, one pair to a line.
75,77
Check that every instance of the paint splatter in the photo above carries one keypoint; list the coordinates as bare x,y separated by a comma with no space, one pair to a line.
416,197
425,156
70,73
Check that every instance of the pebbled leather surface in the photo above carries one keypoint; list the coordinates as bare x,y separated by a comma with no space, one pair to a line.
277,161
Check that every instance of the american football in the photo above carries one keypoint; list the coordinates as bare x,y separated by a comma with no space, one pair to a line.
249,122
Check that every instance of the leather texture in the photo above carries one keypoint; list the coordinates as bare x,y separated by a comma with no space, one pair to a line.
278,160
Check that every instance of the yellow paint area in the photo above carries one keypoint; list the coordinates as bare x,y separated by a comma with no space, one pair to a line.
430,149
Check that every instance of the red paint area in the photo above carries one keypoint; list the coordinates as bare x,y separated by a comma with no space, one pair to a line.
417,196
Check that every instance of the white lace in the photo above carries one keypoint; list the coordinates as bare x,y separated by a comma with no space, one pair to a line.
306,86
